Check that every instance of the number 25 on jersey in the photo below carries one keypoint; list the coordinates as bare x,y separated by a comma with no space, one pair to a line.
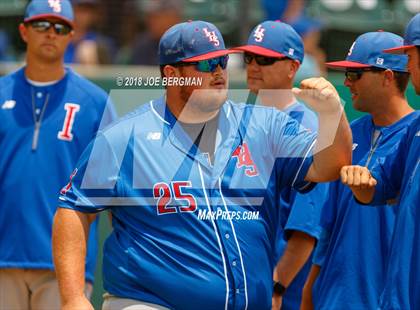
165,193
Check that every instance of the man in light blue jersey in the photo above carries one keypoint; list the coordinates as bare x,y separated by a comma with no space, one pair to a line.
273,55
192,181
397,176
48,115
352,255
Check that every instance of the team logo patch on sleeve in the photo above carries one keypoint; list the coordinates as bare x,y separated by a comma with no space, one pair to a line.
243,155
66,188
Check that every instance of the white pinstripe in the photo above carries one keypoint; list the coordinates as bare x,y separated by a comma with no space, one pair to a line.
239,248
218,238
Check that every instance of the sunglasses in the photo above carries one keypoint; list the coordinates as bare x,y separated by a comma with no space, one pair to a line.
208,65
354,75
44,26
261,60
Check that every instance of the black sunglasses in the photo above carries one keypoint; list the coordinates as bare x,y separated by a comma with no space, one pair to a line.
354,75
45,25
261,60
208,65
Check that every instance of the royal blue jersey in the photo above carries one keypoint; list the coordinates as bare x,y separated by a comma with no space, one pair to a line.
35,163
298,212
354,249
399,172
189,234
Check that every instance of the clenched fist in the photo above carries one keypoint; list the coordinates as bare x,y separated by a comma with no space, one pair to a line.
319,94
357,177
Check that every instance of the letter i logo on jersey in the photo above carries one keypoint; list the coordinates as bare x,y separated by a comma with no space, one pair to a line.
71,110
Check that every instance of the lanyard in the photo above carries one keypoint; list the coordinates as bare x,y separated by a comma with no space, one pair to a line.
37,120
373,145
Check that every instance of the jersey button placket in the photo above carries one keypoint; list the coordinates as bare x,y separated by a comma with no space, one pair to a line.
229,243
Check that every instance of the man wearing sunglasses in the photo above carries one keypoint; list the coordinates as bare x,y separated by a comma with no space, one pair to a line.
273,55
397,176
191,180
48,115
351,257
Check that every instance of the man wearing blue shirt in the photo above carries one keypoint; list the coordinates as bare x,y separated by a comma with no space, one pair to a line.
273,55
192,181
352,255
48,115
397,175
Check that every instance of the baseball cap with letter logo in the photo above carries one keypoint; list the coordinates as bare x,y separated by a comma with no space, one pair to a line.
274,39
411,38
367,52
191,41
39,9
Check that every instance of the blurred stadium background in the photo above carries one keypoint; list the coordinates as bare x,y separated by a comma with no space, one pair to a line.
121,38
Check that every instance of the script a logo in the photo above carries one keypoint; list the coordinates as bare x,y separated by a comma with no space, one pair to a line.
244,159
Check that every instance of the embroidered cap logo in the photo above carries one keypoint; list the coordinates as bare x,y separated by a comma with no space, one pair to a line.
259,33
55,5
211,35
379,61
351,49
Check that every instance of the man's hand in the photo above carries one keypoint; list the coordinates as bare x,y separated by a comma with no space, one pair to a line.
333,147
81,303
320,95
357,177
360,181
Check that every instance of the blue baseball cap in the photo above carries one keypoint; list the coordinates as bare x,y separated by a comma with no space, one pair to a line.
367,51
38,9
411,38
191,41
274,39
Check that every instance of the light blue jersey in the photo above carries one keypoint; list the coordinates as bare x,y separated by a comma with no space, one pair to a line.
189,234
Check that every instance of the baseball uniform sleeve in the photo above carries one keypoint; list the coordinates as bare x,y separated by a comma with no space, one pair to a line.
327,221
389,172
93,183
292,145
318,257
306,211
